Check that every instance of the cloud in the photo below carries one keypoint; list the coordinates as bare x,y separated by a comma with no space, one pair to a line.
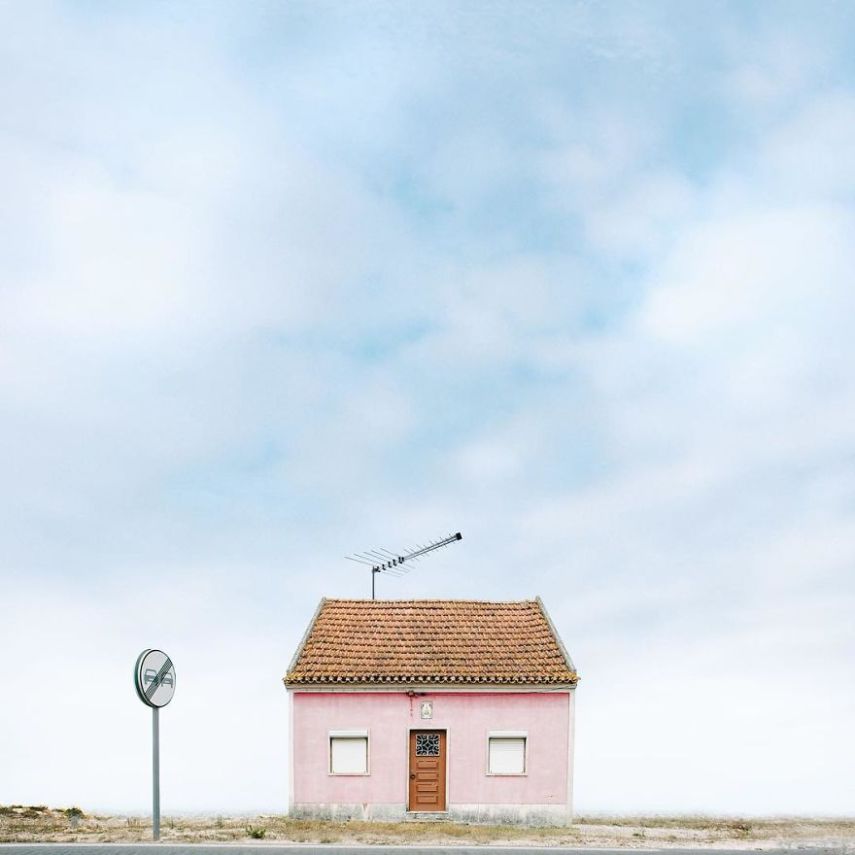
282,286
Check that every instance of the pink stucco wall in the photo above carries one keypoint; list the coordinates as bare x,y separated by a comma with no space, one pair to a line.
467,717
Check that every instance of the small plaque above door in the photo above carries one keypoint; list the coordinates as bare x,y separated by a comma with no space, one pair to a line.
427,709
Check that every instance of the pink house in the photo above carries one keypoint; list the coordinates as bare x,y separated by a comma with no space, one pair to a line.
406,707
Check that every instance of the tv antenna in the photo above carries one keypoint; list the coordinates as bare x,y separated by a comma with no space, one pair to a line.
384,561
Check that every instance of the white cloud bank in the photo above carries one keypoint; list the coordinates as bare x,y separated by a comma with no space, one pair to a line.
256,316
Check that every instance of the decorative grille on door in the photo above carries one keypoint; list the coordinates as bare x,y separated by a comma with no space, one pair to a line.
427,745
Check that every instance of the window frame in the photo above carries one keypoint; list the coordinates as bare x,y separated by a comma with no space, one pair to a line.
348,734
508,734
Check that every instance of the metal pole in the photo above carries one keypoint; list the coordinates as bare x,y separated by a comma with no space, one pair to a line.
373,571
155,774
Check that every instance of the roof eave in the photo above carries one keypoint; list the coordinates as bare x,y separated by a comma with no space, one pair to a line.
569,662
300,647
421,685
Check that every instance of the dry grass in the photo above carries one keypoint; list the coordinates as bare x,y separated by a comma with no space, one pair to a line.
26,824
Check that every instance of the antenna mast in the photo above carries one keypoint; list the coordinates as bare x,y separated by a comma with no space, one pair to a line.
384,561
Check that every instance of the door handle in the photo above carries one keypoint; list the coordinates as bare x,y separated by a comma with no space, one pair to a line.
412,777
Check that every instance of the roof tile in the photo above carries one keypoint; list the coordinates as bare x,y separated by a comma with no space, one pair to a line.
430,641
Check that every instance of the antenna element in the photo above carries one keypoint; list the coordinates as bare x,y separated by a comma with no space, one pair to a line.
393,562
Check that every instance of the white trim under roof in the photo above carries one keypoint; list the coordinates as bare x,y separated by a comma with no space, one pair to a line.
417,689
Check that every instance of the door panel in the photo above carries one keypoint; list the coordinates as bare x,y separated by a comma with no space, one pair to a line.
427,770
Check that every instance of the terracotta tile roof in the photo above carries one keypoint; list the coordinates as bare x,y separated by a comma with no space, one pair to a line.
430,641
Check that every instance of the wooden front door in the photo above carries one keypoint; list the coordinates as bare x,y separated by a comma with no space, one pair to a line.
427,770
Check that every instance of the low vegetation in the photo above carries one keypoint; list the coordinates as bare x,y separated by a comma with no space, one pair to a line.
38,823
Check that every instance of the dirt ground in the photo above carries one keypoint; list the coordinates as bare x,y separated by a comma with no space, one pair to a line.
38,823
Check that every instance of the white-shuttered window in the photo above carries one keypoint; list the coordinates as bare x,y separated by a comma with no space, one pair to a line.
349,753
506,754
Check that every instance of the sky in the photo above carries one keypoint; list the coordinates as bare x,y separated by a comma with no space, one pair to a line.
283,281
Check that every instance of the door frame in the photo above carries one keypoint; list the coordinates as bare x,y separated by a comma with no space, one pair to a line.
417,728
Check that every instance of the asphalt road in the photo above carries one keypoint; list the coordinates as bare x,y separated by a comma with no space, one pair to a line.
303,849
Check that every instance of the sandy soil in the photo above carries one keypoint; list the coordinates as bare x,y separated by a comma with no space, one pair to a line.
26,824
